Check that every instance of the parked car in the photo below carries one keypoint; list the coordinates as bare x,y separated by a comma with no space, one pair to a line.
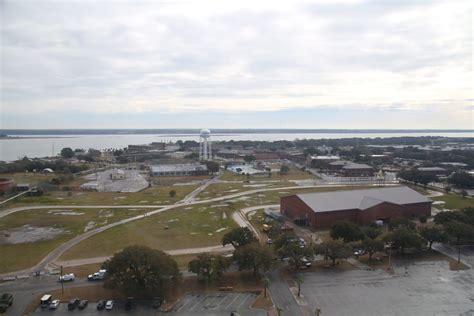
156,303
359,252
269,241
46,300
73,304
6,300
54,304
129,304
83,304
305,263
101,305
109,305
67,277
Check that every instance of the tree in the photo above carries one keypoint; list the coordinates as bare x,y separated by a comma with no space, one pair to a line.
253,257
372,232
463,193
209,266
462,180
333,250
67,152
212,166
459,231
172,193
296,253
347,231
433,234
445,217
403,238
401,222
141,271
239,237
372,246
249,158
447,189
284,169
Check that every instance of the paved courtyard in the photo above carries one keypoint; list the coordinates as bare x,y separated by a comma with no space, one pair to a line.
423,288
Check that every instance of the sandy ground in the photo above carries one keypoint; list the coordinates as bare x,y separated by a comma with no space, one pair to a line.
27,233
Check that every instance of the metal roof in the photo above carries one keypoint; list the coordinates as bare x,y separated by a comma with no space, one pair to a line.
361,199
178,167
354,165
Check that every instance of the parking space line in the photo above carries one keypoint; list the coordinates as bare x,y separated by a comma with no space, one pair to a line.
231,302
198,303
246,297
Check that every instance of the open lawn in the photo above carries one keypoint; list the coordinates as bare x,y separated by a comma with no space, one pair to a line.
455,201
154,195
28,177
185,227
68,224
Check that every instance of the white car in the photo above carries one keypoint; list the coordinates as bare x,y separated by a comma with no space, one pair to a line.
67,277
109,305
54,304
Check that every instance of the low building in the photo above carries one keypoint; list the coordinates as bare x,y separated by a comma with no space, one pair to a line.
358,170
322,210
117,174
351,169
185,169
266,156
435,171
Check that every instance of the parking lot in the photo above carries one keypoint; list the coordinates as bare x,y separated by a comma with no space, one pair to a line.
422,288
191,304
217,304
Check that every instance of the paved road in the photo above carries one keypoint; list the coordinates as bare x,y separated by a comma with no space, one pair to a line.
176,252
282,296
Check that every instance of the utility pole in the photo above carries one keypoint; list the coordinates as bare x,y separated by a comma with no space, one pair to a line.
62,280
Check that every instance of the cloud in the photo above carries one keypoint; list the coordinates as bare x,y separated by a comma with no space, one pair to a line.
165,57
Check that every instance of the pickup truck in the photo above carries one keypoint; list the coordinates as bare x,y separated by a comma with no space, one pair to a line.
6,300
97,275
67,277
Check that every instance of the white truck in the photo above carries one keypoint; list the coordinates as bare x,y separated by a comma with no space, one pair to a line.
67,277
97,275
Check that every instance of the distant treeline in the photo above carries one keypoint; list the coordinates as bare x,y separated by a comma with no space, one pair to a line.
219,131
30,165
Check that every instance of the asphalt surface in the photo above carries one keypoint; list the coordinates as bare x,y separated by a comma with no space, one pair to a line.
421,288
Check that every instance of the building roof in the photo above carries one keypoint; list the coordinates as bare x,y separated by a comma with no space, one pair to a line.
353,165
178,167
325,157
361,199
428,169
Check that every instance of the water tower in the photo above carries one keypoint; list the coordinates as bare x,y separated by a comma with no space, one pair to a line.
205,152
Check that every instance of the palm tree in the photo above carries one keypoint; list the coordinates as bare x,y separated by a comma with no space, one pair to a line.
299,280
266,281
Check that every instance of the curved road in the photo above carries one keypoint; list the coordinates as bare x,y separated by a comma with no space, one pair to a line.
57,252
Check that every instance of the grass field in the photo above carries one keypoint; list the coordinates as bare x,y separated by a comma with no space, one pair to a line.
24,255
185,227
455,201
154,195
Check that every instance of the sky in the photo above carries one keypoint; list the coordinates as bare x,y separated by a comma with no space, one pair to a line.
236,64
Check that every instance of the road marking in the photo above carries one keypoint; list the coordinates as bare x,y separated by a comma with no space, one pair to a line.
231,302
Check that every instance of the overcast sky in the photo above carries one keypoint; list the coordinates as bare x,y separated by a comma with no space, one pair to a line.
247,64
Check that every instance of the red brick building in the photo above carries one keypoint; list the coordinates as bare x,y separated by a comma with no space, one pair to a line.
322,210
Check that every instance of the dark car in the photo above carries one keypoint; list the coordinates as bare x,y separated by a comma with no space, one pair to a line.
73,304
83,304
101,305
156,303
